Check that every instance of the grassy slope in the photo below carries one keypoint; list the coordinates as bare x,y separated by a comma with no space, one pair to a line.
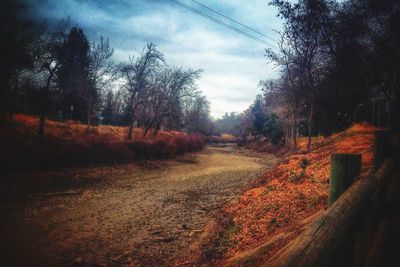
285,197
73,144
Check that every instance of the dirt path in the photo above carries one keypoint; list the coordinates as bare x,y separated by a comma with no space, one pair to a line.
145,216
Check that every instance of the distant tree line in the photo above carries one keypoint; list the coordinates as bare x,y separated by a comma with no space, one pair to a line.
254,121
55,71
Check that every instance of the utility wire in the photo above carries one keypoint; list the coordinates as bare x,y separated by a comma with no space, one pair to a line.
241,24
221,23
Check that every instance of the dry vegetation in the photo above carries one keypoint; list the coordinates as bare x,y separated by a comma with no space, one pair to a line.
294,190
223,138
71,144
145,214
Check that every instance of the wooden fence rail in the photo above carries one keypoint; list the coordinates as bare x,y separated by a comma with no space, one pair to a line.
325,240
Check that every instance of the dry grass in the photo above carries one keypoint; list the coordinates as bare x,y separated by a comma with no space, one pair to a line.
72,143
148,215
289,193
223,138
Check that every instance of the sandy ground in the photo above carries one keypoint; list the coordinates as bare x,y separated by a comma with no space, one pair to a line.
138,215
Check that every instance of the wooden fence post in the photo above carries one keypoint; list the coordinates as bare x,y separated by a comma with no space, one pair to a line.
344,169
381,147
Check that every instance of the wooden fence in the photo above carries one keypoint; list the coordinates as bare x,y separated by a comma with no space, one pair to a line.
360,227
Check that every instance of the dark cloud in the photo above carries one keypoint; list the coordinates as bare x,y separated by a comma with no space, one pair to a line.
233,64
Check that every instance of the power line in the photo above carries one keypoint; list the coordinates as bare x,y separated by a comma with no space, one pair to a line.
241,24
221,23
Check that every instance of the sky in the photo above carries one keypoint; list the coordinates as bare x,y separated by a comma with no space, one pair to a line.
232,64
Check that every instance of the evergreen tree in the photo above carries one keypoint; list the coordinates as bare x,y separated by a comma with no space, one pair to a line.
273,129
73,75
16,35
259,115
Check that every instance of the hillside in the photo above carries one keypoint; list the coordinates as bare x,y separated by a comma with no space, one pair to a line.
74,144
284,200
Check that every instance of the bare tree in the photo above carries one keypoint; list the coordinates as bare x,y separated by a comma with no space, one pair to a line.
197,114
303,48
102,72
137,75
172,87
46,64
283,98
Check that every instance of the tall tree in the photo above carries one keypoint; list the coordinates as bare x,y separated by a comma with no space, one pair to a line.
16,35
172,87
258,111
197,115
73,76
306,37
48,50
138,75
282,98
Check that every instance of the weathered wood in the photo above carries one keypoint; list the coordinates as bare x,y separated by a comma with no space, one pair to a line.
247,257
258,251
381,148
384,251
378,209
393,194
344,169
317,244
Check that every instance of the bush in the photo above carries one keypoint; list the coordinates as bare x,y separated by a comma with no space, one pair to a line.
68,144
273,129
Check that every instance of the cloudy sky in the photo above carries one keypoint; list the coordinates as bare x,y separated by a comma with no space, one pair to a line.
232,64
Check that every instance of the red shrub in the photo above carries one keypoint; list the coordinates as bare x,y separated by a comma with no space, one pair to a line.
73,144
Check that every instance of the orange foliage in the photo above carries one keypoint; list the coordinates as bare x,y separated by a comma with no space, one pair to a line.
77,132
223,138
72,143
290,193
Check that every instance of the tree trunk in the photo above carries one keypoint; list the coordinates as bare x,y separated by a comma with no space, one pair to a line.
310,119
379,113
89,122
89,115
373,112
130,130
14,99
294,130
89,110
388,113
286,135
44,107
157,129
145,131
42,119
147,128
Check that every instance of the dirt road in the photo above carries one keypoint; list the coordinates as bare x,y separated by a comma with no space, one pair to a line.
136,215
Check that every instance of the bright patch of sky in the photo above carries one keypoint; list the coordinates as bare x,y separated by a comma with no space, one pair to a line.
232,64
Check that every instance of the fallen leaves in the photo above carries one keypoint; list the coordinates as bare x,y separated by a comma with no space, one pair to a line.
292,191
